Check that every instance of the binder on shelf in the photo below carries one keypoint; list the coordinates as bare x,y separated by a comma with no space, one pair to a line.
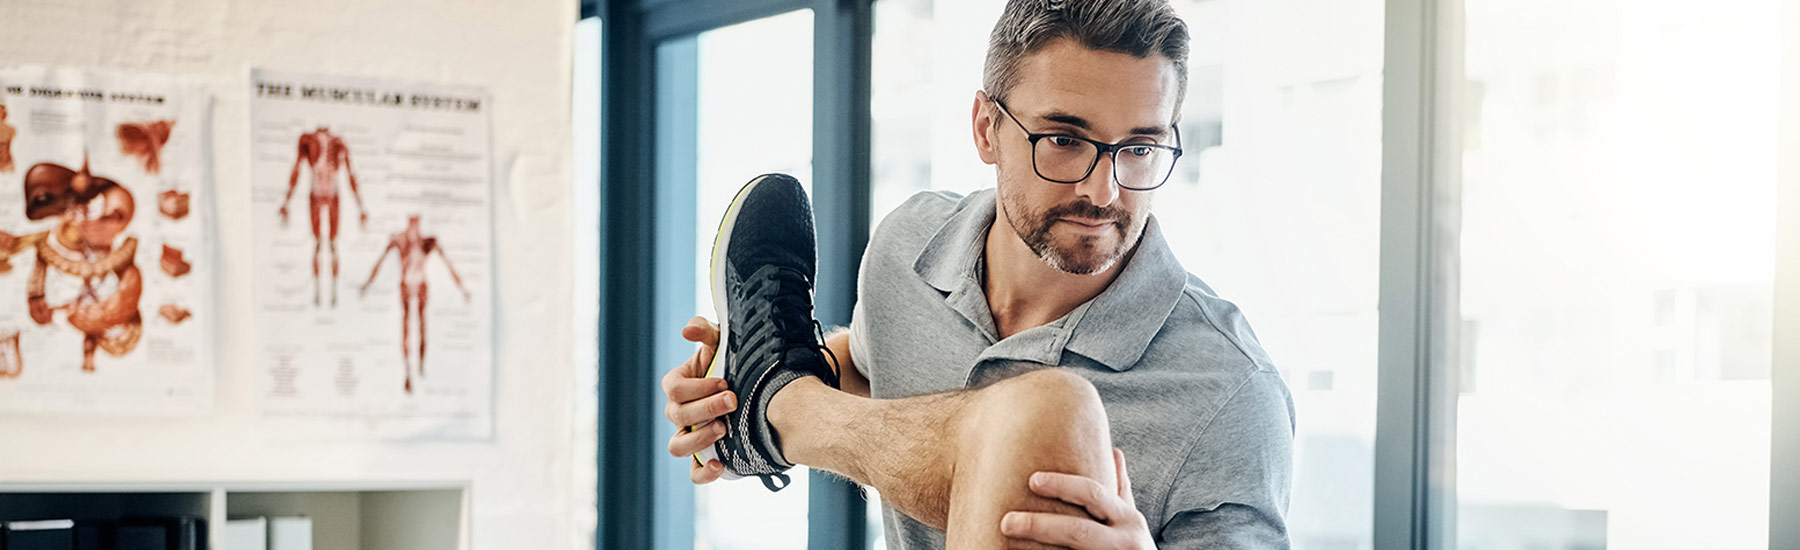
93,535
246,534
55,534
290,533
140,536
161,533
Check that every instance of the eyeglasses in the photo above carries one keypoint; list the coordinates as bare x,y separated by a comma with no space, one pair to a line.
1063,158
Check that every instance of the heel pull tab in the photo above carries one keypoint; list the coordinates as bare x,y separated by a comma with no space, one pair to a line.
769,481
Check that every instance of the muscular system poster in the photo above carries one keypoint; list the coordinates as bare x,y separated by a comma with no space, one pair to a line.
371,207
105,260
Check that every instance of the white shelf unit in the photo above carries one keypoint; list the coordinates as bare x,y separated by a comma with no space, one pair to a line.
346,516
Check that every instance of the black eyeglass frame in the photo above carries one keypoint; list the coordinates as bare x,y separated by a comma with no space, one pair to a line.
1100,148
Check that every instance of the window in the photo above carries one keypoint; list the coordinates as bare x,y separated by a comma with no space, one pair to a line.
752,114
1617,182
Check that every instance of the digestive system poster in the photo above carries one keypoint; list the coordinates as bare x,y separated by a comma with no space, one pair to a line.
105,243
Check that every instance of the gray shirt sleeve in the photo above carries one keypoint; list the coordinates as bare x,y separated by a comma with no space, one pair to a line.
1231,491
860,357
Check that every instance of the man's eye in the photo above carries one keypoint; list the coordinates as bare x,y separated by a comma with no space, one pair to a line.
1138,151
1062,141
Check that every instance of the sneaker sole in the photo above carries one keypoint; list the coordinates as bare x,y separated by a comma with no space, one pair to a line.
721,243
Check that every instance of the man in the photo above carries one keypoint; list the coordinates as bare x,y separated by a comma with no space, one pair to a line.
1009,339
324,153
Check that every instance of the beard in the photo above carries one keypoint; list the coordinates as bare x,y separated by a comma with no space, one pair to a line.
1081,254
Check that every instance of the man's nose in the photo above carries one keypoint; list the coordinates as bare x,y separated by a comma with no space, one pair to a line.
1099,187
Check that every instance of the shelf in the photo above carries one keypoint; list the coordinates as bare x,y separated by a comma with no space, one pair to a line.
345,515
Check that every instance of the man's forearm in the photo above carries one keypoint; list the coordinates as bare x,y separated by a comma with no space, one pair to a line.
901,447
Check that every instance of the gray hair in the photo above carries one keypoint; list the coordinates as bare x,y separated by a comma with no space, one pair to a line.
1132,27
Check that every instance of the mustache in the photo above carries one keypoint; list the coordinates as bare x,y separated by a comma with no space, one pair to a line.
1084,209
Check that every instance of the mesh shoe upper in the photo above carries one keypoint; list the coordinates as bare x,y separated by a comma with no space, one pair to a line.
772,339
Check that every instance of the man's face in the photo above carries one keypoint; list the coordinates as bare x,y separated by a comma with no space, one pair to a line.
1066,88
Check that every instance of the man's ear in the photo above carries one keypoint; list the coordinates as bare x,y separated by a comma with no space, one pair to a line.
981,122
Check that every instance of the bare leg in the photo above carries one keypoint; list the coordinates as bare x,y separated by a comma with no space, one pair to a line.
317,245
406,310
424,295
957,461
334,252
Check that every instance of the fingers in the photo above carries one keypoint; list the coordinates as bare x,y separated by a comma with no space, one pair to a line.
696,365
701,331
708,474
1124,480
686,443
697,412
697,401
693,369
1099,501
686,390
700,362
1060,530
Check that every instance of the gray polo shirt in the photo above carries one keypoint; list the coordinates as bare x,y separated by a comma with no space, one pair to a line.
1205,420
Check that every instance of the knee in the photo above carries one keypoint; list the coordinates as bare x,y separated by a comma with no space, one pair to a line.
1047,420
1055,412
1045,399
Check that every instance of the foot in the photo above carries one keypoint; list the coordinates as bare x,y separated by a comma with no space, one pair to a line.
763,263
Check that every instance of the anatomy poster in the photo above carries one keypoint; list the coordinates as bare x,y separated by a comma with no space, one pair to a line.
371,208
105,287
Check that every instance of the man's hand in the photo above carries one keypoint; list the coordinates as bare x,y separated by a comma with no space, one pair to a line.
697,401
1116,523
284,215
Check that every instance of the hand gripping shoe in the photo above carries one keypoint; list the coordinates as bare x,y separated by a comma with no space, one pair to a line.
763,263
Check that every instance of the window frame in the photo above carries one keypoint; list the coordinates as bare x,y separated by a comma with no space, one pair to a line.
633,513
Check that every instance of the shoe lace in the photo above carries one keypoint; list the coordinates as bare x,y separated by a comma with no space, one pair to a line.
793,301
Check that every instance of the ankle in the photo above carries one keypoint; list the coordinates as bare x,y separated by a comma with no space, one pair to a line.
798,413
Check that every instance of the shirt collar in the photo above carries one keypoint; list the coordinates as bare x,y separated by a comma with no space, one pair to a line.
1114,328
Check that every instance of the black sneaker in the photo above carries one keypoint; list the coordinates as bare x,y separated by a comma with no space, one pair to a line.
763,262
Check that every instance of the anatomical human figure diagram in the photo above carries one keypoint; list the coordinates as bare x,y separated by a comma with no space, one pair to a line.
7,132
325,154
145,140
414,247
92,213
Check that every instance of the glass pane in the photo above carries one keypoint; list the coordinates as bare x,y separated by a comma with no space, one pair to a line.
1295,244
1613,344
584,299
755,116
